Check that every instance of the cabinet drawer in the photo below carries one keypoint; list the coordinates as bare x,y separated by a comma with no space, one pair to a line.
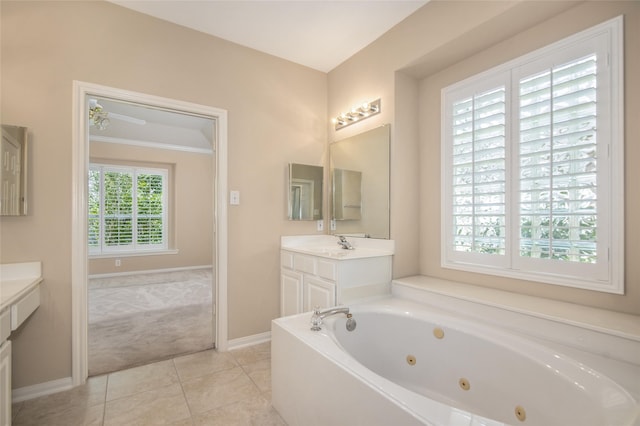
286,259
21,310
327,269
304,263
5,324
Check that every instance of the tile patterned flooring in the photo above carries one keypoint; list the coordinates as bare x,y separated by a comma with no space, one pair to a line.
205,388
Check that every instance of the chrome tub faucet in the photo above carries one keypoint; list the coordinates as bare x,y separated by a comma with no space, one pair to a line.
318,316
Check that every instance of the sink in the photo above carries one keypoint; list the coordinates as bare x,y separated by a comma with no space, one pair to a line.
327,246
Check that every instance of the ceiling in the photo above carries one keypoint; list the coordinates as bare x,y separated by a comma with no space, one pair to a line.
142,125
320,34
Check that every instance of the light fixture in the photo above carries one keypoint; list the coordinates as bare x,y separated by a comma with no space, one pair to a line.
97,116
359,113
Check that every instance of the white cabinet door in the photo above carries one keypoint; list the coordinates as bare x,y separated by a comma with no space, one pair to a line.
5,383
290,292
318,293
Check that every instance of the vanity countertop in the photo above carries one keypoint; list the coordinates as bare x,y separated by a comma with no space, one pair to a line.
326,246
18,279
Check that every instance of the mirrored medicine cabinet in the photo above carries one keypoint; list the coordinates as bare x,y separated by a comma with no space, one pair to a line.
13,171
305,192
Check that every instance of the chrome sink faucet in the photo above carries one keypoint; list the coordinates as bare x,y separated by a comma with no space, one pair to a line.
344,243
318,316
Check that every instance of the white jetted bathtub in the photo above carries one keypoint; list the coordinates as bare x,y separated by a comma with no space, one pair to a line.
407,364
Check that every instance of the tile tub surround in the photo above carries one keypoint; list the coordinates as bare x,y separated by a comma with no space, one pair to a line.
136,319
205,388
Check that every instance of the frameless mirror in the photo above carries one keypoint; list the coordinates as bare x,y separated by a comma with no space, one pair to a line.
305,192
360,184
13,171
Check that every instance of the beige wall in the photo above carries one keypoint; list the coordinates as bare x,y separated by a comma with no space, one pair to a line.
277,114
191,192
410,64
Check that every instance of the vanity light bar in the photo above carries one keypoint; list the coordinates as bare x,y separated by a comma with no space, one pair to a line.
365,110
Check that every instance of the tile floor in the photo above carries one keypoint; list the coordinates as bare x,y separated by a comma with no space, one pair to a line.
205,388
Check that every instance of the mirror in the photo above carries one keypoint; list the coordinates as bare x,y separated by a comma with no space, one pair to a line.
360,184
13,171
305,192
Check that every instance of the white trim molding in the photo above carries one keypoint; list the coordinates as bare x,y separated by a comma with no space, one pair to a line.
79,256
255,339
41,389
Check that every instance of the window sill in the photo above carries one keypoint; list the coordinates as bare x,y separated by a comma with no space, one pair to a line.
133,254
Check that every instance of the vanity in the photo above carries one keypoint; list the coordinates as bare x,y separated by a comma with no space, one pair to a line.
317,272
19,298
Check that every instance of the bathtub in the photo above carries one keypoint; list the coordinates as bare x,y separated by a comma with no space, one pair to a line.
409,364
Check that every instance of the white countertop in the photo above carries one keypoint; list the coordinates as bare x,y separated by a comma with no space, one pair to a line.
327,246
17,279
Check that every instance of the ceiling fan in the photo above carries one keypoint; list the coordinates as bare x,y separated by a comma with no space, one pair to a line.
100,118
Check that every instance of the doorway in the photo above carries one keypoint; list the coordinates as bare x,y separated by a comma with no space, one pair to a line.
85,95
150,234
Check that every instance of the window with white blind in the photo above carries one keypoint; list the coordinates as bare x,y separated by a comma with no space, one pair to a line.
127,209
532,165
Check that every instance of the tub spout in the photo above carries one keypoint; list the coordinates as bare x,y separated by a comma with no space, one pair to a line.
318,315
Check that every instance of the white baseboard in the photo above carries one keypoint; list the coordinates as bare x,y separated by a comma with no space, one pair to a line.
150,271
255,339
41,389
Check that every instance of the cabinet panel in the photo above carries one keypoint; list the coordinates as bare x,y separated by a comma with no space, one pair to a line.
290,293
318,293
5,383
327,269
286,259
304,263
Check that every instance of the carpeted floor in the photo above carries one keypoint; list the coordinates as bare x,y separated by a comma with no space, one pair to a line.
134,320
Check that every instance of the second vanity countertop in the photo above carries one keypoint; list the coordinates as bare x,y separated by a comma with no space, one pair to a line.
18,279
327,246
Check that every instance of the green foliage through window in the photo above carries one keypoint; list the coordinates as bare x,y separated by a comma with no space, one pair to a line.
124,216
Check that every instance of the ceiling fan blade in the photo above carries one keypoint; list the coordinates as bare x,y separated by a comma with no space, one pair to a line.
126,118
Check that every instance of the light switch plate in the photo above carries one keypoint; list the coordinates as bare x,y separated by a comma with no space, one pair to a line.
234,198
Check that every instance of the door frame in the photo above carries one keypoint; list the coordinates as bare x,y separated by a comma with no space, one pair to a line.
79,251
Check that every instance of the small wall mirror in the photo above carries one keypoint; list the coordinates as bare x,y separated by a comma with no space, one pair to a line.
360,184
305,192
13,171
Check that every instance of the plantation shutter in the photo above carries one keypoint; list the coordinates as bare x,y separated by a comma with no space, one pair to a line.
118,209
479,179
558,162
150,201
94,210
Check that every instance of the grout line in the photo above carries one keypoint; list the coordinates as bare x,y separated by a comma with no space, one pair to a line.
184,395
104,404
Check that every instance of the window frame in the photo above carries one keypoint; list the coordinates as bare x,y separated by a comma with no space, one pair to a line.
606,39
135,248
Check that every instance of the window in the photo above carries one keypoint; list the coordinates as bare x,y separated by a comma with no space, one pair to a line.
127,209
532,165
